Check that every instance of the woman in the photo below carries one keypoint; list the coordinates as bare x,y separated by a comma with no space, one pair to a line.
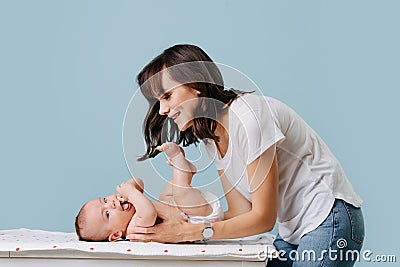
271,164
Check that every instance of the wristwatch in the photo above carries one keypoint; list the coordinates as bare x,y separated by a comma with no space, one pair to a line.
208,231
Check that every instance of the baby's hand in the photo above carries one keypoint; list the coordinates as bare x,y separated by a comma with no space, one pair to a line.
125,189
138,183
170,149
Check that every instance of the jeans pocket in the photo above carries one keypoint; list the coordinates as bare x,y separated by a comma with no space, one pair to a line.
357,222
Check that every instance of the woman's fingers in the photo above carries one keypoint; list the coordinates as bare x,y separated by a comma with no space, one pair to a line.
142,234
143,230
140,238
169,231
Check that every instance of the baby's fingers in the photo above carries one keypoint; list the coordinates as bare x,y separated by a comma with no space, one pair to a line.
121,199
120,189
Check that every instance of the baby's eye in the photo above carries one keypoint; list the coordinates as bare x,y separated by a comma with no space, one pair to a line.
107,214
105,200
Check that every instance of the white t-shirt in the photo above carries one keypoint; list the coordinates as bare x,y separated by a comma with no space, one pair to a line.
310,177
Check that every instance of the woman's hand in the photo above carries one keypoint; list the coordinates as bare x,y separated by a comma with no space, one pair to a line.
169,231
173,229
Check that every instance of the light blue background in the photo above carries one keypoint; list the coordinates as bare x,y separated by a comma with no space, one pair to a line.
68,72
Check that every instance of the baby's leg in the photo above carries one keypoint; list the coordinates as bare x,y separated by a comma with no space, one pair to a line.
176,157
188,199
179,189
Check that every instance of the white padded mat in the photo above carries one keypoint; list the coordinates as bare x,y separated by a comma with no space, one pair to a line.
28,242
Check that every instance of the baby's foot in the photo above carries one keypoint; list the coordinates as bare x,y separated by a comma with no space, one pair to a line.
176,157
170,149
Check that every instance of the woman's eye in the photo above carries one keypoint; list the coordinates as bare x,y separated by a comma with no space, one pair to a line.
105,200
107,214
166,96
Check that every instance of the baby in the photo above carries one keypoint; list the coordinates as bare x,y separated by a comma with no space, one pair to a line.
113,217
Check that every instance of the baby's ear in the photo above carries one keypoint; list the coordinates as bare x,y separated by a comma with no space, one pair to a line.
115,236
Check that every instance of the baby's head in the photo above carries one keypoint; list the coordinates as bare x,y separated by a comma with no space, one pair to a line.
103,219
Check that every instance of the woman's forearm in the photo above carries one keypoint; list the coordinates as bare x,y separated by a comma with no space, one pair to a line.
246,224
175,229
243,225
244,220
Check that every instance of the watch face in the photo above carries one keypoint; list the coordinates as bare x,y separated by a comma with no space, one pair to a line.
208,233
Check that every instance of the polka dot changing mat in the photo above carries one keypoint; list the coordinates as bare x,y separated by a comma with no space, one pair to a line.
24,240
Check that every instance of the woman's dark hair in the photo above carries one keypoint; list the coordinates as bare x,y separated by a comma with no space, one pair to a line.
191,66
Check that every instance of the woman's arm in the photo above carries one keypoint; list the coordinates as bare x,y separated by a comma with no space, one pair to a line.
264,182
263,179
238,204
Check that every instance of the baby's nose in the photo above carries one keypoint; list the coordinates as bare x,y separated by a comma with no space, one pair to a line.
111,204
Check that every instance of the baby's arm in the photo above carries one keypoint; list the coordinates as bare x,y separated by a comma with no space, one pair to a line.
132,191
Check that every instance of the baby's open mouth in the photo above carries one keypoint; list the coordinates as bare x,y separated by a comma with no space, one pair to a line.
126,206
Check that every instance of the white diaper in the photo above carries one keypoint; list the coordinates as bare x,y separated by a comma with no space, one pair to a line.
216,215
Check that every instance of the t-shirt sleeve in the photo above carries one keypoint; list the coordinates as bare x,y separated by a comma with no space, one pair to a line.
258,132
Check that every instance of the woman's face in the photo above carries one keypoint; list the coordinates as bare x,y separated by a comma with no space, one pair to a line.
178,102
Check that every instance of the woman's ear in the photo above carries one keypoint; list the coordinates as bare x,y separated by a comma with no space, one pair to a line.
115,236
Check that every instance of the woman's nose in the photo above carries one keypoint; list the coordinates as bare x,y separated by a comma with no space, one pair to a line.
164,108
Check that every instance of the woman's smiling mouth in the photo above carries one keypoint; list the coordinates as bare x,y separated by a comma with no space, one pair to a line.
175,116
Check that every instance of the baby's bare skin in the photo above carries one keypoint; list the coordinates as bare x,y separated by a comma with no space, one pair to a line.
176,157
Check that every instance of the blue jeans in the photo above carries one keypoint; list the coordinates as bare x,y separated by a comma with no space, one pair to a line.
337,241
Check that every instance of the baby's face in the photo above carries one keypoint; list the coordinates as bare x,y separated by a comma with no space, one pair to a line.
109,215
